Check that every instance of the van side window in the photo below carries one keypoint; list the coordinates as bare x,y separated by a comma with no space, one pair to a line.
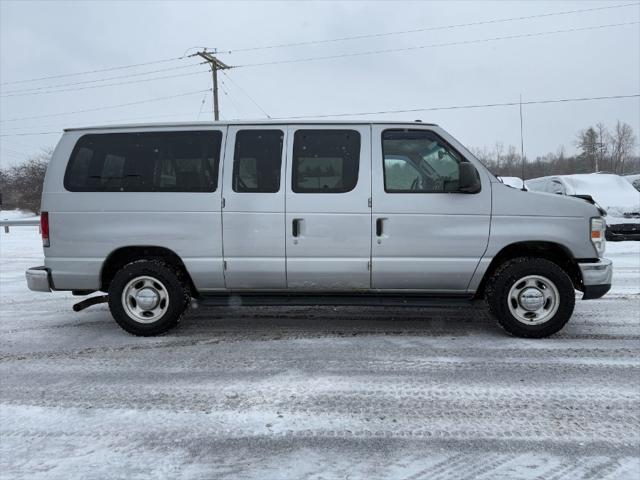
257,160
79,168
325,161
112,168
145,162
418,161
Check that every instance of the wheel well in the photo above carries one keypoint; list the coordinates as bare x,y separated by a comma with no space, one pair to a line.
122,256
553,252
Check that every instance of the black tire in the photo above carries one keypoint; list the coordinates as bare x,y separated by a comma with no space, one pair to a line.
175,290
508,274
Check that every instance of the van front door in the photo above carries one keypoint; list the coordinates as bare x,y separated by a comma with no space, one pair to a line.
427,234
253,213
328,237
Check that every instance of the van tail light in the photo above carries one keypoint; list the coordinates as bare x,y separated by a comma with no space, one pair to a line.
44,228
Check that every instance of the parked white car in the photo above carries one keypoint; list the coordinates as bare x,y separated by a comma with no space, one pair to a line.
634,180
612,192
515,182
306,213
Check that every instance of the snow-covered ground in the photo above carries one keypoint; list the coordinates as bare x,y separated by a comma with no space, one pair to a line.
315,393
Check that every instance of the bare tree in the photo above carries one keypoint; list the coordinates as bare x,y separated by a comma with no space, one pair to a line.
587,143
598,151
482,154
511,160
622,142
21,185
499,149
603,145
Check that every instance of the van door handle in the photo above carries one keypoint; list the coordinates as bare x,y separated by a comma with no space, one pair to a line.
379,225
295,227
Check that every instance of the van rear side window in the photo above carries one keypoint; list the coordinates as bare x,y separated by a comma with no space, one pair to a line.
325,161
257,161
145,162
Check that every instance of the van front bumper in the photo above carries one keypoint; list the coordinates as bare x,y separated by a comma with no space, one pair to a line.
38,279
596,278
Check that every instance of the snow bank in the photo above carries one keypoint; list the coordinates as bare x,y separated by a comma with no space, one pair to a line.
16,215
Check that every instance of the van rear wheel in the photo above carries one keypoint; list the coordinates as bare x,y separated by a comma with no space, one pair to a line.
531,297
147,297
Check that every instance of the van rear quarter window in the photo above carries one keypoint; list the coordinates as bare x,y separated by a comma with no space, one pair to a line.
145,162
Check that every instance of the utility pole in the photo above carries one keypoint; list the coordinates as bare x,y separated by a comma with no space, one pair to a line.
215,65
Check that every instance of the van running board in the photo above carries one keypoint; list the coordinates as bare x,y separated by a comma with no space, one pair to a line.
86,303
362,299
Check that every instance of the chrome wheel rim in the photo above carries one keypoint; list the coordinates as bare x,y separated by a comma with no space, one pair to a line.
145,299
533,300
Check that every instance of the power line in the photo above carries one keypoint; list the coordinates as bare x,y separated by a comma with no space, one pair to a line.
156,99
15,153
226,93
248,96
413,110
204,99
15,142
101,70
85,82
461,107
427,29
433,45
355,37
28,134
106,85
111,120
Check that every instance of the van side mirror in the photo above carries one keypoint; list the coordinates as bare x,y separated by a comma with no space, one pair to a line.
469,181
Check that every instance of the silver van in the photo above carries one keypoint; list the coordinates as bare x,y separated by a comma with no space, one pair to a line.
306,213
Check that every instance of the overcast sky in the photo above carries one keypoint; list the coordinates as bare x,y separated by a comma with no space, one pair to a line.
39,39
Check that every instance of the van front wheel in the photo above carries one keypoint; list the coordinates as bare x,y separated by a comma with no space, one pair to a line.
147,297
530,297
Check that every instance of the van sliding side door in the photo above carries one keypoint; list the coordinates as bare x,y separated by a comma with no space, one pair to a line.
253,212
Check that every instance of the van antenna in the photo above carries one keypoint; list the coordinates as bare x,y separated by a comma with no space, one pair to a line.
522,145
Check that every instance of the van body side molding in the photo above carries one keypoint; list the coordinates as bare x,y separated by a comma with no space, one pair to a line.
364,298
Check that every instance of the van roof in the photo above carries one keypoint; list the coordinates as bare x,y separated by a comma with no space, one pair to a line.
247,122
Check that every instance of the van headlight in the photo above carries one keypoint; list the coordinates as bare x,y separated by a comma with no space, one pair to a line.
598,229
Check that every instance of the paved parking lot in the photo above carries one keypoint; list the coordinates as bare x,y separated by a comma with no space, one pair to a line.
316,393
